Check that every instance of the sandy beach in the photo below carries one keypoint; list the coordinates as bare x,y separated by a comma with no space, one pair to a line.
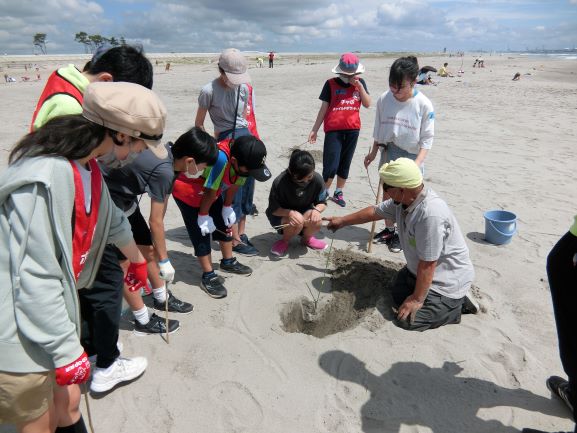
248,363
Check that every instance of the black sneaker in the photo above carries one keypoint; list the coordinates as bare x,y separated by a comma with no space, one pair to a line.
379,234
384,235
156,325
394,244
560,387
175,305
235,267
213,287
248,249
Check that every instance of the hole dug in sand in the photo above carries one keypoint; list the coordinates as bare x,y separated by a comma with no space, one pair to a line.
358,285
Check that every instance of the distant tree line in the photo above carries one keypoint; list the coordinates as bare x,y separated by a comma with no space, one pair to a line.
93,42
90,42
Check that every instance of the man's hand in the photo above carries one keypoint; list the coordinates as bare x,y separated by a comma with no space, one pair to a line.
166,270
206,224
74,373
409,308
335,223
228,215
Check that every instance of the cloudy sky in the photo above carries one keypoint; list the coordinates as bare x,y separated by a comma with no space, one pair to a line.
294,25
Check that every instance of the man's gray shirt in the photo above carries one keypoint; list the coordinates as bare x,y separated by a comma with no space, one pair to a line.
429,231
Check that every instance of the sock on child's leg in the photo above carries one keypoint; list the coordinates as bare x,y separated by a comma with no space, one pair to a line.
160,293
142,315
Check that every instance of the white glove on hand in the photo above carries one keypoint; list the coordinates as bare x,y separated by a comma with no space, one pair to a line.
166,270
228,215
206,224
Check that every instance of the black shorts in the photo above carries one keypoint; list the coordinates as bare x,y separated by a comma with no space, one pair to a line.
140,232
140,229
201,243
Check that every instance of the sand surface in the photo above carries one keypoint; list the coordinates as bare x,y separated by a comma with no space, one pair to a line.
235,367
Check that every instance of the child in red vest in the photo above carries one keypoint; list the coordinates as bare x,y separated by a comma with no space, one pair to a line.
342,98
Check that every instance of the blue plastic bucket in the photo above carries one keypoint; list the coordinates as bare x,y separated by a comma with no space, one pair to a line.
500,226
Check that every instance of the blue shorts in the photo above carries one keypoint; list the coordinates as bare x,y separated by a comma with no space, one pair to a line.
201,243
243,199
338,151
239,132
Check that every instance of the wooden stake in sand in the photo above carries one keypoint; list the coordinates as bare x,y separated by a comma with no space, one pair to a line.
370,242
166,313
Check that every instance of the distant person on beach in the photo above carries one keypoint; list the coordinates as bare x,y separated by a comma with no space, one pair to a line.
562,275
56,218
271,59
517,76
444,72
339,113
167,67
295,202
205,198
404,127
229,101
259,62
479,63
431,290
424,78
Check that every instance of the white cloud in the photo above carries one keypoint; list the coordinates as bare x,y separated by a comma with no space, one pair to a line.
210,25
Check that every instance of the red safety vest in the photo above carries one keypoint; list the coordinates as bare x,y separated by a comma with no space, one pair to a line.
56,85
250,117
344,108
84,223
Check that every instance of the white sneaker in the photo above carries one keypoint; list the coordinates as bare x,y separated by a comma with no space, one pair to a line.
121,370
92,358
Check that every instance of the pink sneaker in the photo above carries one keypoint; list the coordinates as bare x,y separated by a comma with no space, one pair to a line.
279,248
315,244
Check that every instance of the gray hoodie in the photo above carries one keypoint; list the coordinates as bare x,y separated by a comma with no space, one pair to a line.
39,310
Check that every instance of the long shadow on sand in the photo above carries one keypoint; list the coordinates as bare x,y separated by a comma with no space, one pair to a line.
412,393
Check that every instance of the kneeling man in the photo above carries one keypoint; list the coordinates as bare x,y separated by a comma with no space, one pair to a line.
431,290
